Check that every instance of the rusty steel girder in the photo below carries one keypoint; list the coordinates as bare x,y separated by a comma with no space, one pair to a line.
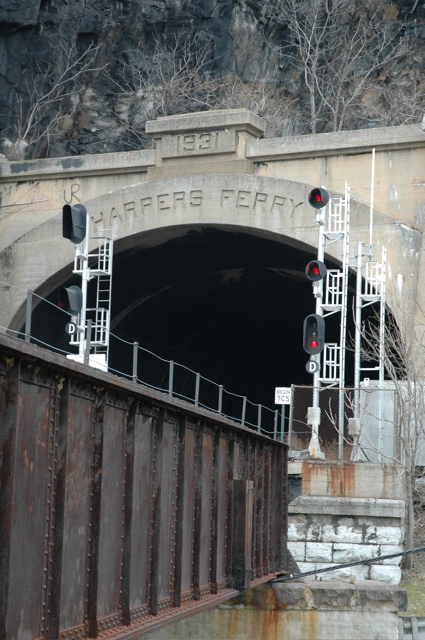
123,509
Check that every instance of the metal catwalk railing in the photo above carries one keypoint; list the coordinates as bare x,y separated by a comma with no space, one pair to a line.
141,362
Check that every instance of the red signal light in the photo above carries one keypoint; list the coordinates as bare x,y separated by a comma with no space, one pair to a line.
315,270
318,198
314,334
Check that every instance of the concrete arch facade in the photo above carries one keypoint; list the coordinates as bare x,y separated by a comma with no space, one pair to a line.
162,208
208,169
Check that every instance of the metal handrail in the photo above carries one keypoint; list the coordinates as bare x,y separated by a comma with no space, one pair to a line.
264,415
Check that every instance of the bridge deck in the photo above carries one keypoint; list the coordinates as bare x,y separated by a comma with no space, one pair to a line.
123,509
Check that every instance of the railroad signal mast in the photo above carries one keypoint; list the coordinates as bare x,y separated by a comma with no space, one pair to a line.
330,288
89,328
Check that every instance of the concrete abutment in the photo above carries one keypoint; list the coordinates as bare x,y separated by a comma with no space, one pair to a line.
303,610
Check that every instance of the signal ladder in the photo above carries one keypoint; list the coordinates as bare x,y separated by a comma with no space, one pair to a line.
98,317
370,290
336,289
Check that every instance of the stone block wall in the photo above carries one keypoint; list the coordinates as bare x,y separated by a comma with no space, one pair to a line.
327,529
318,542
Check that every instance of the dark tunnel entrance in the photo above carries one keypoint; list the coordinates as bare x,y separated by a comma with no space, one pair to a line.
224,302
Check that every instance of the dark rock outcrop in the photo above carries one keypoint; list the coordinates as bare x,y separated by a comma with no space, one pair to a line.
38,34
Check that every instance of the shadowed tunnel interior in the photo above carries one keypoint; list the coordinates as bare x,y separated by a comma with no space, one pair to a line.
226,303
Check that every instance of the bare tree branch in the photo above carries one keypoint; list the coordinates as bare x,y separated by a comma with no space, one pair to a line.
51,98
341,49
404,363
179,78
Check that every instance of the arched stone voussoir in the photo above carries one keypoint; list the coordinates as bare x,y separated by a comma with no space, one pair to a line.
262,204
151,212
268,204
238,200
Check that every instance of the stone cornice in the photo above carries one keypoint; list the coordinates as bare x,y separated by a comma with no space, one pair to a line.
204,120
346,142
348,506
103,163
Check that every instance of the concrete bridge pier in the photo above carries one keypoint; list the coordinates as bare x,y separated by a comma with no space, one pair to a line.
298,610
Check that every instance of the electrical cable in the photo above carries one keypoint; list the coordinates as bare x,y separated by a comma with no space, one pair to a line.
355,563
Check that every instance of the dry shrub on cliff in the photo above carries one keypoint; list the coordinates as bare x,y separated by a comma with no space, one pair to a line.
259,96
51,101
345,51
392,101
168,81
179,77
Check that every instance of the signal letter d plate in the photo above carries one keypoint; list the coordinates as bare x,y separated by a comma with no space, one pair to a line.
312,366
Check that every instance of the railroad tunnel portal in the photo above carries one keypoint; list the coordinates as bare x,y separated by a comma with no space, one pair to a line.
208,272
225,302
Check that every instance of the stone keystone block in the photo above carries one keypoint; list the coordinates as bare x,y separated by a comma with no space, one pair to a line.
318,552
342,533
353,552
297,550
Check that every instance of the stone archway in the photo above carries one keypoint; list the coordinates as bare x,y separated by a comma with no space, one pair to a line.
42,258
176,216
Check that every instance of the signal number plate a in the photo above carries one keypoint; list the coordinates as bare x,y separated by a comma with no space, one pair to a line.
282,395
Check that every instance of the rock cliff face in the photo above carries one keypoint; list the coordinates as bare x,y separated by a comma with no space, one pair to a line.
102,106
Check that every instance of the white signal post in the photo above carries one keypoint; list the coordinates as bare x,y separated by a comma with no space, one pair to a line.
82,259
333,222
96,320
313,417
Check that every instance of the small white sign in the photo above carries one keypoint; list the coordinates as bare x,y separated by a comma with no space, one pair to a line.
282,395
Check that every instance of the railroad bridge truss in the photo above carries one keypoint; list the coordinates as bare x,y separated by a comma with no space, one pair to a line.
122,509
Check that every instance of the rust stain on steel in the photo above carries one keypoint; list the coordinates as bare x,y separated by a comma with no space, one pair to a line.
121,509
